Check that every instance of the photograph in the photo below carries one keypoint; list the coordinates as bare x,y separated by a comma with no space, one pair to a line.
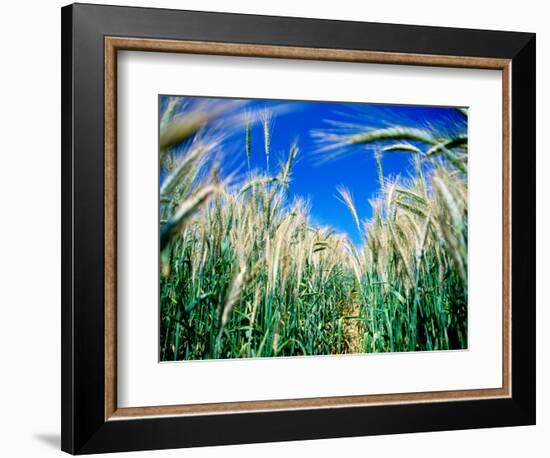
311,228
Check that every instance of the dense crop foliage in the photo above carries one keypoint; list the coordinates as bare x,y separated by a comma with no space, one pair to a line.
244,272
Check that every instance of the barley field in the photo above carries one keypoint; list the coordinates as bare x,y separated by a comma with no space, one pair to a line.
248,270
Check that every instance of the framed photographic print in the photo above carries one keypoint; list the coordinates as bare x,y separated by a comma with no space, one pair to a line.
282,228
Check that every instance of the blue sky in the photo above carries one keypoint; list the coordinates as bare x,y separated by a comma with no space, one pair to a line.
317,180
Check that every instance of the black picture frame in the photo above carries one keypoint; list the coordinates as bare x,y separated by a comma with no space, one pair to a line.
84,427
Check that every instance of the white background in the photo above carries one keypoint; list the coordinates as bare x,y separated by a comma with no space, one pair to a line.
30,230
142,76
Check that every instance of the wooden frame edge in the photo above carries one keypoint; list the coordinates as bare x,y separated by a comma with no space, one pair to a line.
292,52
112,45
507,228
110,201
